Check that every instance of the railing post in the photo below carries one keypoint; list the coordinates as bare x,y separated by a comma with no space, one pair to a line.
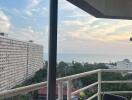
60,90
99,85
69,87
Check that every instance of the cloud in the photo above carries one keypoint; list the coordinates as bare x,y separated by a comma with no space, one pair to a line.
36,8
97,29
5,23
33,3
28,33
78,31
65,5
77,24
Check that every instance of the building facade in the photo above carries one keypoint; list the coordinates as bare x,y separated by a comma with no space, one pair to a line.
18,61
125,64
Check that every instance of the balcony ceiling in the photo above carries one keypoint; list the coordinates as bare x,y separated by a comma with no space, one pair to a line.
116,9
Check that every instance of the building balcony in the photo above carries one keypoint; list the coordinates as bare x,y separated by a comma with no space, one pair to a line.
70,92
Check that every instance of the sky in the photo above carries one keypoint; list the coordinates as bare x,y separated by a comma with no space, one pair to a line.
78,31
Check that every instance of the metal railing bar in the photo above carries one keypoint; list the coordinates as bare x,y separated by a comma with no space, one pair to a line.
116,92
78,75
124,81
84,88
115,70
21,90
99,85
92,97
29,88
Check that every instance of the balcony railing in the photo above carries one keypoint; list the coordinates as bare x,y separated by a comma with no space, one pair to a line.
22,90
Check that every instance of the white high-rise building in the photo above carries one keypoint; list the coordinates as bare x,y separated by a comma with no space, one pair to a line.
18,61
125,64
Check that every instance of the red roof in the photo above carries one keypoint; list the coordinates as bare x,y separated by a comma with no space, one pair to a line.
43,91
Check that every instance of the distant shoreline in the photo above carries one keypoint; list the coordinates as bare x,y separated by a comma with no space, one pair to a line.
90,58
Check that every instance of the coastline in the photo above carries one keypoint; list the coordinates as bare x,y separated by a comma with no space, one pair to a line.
90,58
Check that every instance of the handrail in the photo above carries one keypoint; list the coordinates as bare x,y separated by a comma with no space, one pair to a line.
93,96
115,70
21,90
60,81
78,75
117,81
84,88
116,92
29,88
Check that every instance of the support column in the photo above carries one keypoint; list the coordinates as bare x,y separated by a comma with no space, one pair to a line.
51,94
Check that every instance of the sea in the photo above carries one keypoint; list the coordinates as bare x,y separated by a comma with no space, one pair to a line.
90,58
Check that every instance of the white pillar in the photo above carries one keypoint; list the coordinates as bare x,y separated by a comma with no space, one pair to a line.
69,88
99,85
60,90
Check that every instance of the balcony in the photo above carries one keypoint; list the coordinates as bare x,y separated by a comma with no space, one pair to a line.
5,95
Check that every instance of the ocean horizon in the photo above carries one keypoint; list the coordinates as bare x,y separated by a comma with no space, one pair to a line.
90,58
